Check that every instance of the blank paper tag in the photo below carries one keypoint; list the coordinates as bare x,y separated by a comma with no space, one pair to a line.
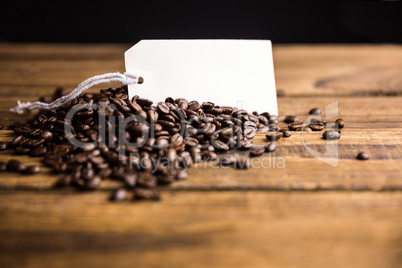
227,72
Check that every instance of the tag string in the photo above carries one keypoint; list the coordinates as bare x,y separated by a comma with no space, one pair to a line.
125,78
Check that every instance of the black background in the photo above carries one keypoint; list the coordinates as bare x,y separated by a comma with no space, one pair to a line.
130,21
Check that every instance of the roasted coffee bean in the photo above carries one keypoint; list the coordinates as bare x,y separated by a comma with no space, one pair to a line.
119,195
146,194
22,150
257,151
208,105
15,165
363,156
63,180
316,126
315,111
3,146
331,135
146,180
270,147
220,145
16,141
21,130
286,133
242,164
1,126
3,166
280,93
163,108
246,144
274,136
31,170
339,123
93,183
144,102
290,119
249,133
208,155
181,175
296,126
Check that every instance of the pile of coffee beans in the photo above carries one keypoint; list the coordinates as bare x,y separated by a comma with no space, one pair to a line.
140,143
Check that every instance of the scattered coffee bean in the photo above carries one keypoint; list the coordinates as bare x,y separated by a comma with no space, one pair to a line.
274,136
331,135
363,156
143,194
3,166
15,165
315,111
3,146
286,133
270,147
31,170
316,126
339,123
257,150
290,119
1,126
280,93
119,195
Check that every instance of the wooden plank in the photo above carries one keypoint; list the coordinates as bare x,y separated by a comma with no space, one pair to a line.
300,70
198,229
307,214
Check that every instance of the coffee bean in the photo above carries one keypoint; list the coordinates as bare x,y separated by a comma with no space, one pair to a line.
257,151
163,108
363,156
220,146
3,166
181,175
242,164
290,119
296,126
119,195
315,111
316,126
3,146
16,141
274,136
93,183
280,93
246,144
15,165
147,180
1,126
146,194
339,123
270,147
22,150
331,135
286,133
31,170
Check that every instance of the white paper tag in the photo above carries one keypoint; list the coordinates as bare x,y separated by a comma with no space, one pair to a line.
227,72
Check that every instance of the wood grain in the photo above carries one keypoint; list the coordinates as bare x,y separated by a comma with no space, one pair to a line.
303,214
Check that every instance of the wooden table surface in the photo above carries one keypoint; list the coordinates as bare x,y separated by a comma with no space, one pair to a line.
300,213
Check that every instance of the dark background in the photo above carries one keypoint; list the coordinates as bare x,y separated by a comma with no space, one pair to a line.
130,21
